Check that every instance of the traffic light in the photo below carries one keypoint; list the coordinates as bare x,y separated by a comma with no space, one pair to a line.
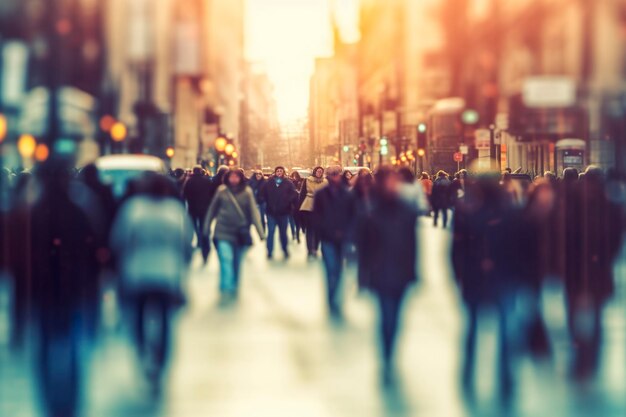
422,135
384,150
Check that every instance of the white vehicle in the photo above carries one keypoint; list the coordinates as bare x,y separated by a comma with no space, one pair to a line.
117,170
355,170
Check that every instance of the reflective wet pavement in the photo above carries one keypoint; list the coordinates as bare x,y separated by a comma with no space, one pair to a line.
276,353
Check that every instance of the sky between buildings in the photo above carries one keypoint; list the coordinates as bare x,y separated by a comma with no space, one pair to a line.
286,36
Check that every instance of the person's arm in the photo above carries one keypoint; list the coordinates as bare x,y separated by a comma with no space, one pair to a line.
302,194
211,212
255,215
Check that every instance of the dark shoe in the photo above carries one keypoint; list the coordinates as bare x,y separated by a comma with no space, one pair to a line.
269,256
286,255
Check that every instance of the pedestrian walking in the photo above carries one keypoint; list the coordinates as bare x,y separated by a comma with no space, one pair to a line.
279,194
440,198
294,218
334,215
386,241
312,185
256,183
234,210
485,263
152,240
197,192
595,225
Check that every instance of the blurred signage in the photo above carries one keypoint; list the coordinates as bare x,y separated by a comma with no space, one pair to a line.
482,138
549,92
14,59
464,149
458,157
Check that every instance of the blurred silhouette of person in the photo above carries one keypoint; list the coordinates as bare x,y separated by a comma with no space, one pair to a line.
280,195
311,185
457,187
66,229
334,211
234,211
151,239
533,236
197,193
427,183
412,192
364,195
294,218
386,240
595,225
440,197
485,266
256,183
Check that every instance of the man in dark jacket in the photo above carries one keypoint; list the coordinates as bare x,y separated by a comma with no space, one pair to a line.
486,266
279,194
198,192
256,182
440,197
594,225
334,211
386,241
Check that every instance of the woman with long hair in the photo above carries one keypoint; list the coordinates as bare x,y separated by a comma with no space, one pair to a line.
312,184
234,210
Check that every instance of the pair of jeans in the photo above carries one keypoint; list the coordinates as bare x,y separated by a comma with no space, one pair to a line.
389,305
332,256
230,256
262,212
281,222
160,301
294,225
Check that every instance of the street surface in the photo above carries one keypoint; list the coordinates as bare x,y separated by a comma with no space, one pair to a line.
276,353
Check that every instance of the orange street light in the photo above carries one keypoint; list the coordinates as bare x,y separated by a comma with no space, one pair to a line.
169,152
421,152
26,145
4,127
220,144
229,149
235,155
118,131
42,152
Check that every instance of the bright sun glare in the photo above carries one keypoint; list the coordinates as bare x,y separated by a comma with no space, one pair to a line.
286,36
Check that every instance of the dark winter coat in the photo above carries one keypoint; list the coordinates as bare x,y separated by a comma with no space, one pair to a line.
387,247
279,198
440,197
256,186
484,249
197,192
334,213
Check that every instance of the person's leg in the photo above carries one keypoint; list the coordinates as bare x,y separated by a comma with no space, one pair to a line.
283,223
165,332
226,256
445,217
271,230
238,259
470,345
436,217
307,219
292,226
331,260
389,319
504,366
263,215
140,305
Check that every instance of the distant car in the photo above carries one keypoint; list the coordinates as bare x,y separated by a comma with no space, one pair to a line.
355,170
304,173
118,170
267,172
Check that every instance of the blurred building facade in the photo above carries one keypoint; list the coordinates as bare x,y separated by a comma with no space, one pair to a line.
540,73
259,117
178,68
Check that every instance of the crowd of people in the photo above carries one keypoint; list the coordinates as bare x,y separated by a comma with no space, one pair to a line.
61,229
